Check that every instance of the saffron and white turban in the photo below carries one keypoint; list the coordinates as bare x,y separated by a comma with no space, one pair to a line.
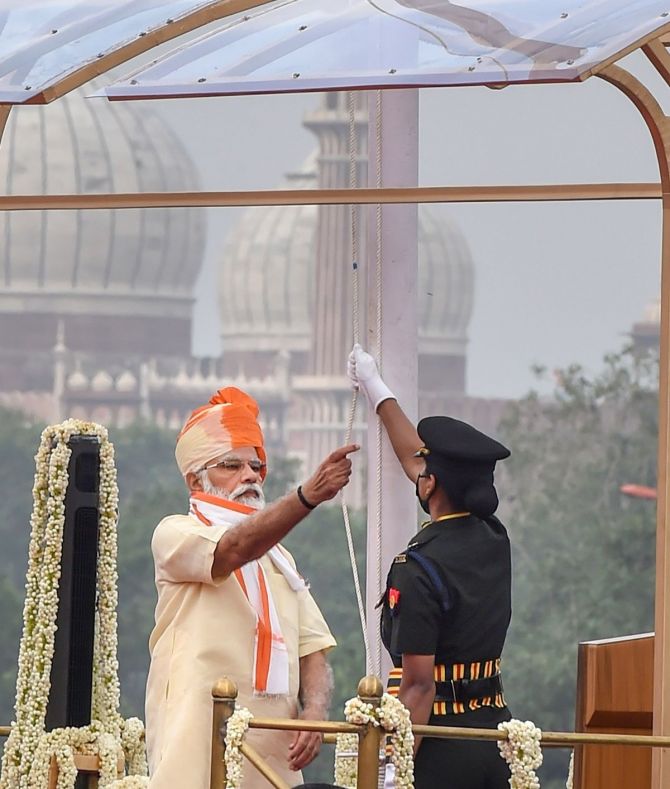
228,421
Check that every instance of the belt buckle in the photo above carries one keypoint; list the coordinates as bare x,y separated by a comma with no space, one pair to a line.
453,689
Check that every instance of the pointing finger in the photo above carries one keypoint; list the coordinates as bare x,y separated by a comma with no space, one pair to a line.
342,452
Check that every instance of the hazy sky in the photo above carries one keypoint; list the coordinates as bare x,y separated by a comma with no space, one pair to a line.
555,283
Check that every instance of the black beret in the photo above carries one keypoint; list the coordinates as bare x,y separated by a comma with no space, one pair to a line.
453,440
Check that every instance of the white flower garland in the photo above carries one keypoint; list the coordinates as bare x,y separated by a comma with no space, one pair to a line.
393,717
522,751
346,760
571,770
236,729
28,750
131,782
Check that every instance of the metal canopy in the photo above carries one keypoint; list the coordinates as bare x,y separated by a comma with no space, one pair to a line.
45,44
316,45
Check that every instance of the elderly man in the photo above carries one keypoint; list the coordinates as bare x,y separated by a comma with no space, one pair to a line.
231,603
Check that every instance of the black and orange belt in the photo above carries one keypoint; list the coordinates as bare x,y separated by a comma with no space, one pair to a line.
461,687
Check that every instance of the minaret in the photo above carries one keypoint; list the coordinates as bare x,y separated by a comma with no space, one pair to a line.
60,357
324,393
332,299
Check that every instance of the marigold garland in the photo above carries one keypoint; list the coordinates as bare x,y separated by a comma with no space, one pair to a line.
29,748
522,751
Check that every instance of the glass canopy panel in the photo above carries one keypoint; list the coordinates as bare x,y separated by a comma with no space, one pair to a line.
42,41
302,45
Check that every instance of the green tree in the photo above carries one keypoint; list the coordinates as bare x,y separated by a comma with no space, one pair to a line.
583,554
19,440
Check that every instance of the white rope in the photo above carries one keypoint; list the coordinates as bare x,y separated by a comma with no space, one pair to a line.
353,182
372,663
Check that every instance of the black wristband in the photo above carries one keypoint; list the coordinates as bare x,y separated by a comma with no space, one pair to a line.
303,500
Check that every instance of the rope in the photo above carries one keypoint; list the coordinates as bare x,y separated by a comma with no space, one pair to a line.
372,663
353,181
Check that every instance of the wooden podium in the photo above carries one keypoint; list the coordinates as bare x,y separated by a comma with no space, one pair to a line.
614,695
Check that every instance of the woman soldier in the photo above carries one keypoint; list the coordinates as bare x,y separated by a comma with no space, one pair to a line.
447,604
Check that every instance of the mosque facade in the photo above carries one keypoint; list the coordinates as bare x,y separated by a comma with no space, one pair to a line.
96,306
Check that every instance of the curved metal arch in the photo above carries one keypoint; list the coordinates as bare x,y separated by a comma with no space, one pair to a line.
659,128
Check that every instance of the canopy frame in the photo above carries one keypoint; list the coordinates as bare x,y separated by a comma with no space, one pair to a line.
659,127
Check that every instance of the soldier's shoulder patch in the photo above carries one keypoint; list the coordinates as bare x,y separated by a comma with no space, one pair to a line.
400,558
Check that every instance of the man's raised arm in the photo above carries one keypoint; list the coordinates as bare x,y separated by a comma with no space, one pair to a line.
259,532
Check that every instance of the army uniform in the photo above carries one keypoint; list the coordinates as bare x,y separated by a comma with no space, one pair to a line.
449,595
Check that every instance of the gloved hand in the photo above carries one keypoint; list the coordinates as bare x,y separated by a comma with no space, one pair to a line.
364,375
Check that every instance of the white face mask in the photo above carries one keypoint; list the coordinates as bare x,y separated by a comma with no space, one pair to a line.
240,494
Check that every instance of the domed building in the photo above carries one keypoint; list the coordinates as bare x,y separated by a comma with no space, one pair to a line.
96,306
286,299
87,297
267,290
265,284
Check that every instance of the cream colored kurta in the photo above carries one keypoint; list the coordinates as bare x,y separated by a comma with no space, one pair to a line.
205,630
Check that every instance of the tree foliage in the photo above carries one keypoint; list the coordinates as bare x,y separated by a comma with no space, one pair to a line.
583,554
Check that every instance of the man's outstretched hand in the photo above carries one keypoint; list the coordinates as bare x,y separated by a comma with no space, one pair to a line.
363,373
331,476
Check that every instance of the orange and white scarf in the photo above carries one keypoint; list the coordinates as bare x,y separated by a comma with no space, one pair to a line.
271,664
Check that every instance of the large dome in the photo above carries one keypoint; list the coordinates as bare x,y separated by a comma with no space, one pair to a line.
266,275
135,265
266,279
446,284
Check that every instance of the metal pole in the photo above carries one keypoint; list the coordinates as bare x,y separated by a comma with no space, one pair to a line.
363,196
392,336
370,690
224,694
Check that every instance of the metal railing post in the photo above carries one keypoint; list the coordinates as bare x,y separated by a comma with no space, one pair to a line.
370,690
224,693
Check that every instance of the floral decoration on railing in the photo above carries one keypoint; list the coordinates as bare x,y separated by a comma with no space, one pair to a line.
236,728
393,717
522,751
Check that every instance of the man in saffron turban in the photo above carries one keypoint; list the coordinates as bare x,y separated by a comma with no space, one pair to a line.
231,602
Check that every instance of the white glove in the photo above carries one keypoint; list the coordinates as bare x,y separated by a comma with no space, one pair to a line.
389,776
364,375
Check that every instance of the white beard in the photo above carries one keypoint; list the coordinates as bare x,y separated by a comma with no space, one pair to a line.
256,502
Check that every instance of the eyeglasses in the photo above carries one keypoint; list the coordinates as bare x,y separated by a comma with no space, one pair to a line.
237,464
